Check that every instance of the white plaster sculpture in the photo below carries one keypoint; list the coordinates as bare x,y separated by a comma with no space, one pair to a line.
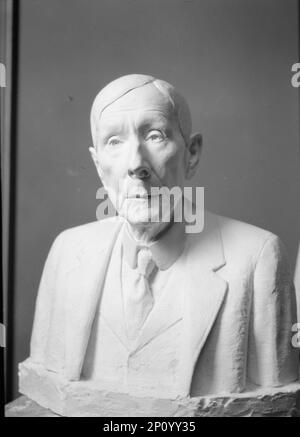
213,312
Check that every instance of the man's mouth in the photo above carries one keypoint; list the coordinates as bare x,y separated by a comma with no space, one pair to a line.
142,196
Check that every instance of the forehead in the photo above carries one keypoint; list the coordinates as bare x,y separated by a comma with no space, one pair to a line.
141,119
146,98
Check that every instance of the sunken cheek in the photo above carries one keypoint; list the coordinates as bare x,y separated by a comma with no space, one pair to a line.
169,163
114,170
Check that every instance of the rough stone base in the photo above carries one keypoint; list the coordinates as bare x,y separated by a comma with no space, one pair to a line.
25,407
83,398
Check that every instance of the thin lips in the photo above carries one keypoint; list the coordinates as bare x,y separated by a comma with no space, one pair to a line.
142,196
139,196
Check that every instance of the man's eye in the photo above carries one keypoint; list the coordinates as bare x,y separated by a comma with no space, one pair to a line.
113,142
155,136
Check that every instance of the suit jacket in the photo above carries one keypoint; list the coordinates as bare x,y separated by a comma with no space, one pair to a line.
239,305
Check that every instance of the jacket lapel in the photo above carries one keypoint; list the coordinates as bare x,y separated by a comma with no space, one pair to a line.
111,308
204,295
84,286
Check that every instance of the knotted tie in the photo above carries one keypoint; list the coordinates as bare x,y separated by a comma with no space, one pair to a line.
140,301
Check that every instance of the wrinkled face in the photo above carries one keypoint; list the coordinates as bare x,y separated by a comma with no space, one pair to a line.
139,146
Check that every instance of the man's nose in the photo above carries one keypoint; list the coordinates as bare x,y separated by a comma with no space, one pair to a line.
141,172
138,167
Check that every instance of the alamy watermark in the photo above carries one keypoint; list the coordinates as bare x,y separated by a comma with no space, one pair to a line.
2,75
296,336
295,81
2,335
162,204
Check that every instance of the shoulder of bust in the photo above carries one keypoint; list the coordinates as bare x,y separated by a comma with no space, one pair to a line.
241,236
102,231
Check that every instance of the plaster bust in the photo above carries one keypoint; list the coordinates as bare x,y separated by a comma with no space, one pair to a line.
217,308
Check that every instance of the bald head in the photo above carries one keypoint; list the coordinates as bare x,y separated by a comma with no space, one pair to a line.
161,93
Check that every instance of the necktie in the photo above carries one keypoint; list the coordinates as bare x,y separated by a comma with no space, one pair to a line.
140,301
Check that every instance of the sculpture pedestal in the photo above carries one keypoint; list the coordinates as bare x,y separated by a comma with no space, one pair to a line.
25,407
85,399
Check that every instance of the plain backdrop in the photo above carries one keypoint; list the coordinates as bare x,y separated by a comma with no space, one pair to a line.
231,59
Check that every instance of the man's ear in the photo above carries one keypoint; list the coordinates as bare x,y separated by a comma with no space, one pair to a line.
95,158
194,152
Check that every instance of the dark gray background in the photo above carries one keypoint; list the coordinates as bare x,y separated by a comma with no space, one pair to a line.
232,61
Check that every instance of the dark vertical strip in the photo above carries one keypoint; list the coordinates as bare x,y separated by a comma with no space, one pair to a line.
298,60
12,205
2,94
2,382
299,32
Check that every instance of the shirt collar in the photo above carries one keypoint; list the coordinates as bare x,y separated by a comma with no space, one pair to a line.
165,251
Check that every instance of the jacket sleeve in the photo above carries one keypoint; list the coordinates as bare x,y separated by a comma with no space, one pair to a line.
45,304
272,360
